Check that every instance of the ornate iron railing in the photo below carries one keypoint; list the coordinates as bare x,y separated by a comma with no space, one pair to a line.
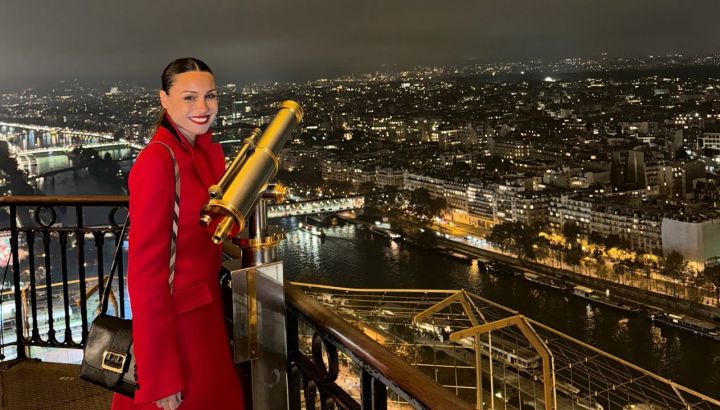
59,254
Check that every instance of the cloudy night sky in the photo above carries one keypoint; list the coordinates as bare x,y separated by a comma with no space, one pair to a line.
244,41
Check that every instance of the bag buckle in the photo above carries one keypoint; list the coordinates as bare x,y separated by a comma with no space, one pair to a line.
114,362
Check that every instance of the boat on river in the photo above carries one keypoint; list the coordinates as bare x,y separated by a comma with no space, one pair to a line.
312,229
699,327
449,252
593,296
385,232
546,281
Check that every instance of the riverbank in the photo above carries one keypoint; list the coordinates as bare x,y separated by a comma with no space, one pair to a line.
645,300
620,296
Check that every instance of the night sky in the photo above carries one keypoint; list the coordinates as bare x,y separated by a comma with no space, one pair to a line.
244,41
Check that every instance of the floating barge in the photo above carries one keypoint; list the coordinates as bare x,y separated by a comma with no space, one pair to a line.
594,296
699,327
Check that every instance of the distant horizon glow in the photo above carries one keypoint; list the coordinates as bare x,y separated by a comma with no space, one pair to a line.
262,42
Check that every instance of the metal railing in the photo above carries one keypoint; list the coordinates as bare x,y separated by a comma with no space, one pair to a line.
61,250
378,368
60,253
434,325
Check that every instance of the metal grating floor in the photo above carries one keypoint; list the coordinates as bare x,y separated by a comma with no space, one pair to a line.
31,385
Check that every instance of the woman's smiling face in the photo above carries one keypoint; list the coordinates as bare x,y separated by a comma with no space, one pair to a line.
191,102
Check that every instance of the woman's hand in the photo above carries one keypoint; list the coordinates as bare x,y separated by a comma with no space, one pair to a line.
170,402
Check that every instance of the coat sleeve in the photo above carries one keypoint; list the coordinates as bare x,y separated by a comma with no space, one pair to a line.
156,346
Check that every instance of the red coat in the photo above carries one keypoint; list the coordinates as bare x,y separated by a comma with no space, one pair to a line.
180,340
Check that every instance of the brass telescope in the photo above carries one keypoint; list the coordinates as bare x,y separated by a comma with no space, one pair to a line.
247,178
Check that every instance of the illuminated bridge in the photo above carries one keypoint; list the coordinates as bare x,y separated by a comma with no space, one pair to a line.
347,348
56,136
10,126
319,206
42,162
100,147
32,144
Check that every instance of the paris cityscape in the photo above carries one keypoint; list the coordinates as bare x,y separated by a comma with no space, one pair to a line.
609,164
572,193
595,144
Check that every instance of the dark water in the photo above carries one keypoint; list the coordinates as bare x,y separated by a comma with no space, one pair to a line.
82,183
354,258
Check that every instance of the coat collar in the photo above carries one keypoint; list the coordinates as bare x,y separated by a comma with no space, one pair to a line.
200,152
201,141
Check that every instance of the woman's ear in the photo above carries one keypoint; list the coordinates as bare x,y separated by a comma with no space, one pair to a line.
163,99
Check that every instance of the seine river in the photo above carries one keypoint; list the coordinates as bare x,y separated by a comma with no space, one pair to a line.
354,258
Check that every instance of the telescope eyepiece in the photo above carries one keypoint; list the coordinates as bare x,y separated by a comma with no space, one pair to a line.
294,107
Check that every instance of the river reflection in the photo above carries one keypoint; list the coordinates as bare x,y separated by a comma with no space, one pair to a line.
354,257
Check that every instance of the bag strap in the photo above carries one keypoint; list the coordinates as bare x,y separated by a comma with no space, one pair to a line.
176,215
106,292
173,235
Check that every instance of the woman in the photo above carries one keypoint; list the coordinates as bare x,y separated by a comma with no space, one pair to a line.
181,346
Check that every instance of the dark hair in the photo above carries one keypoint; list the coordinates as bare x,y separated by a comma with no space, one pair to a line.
179,66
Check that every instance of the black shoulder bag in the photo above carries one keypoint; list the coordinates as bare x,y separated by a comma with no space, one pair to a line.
108,358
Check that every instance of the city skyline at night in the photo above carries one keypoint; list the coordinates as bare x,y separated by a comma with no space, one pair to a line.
558,162
264,42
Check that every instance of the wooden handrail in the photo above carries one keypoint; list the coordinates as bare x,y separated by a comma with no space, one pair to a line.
87,200
412,381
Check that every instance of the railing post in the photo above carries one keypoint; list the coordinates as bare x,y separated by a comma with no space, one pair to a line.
81,271
294,375
120,279
66,289
14,245
99,238
35,333
259,340
480,402
374,393
310,393
48,287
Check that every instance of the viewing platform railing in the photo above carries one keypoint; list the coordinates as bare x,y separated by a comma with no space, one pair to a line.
58,249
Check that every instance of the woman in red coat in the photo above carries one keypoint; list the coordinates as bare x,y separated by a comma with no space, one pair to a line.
181,346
